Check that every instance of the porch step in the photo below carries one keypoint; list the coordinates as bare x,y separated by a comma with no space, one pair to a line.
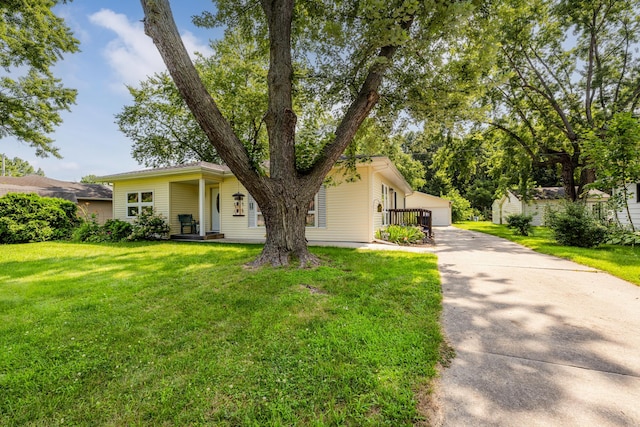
210,235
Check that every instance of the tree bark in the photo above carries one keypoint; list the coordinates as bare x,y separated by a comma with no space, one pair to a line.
284,195
568,180
285,225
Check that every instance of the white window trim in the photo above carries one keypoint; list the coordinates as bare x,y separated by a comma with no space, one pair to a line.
385,204
139,204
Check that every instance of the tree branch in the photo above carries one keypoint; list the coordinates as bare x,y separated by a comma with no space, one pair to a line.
160,26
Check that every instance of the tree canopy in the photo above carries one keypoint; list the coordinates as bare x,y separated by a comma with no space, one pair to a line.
557,72
339,52
32,40
18,167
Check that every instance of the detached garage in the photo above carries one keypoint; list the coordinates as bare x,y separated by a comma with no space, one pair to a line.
440,208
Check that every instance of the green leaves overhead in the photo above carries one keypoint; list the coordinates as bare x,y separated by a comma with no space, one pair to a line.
32,40
163,128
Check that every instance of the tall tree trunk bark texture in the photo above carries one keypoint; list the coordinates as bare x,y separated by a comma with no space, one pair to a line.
284,195
285,213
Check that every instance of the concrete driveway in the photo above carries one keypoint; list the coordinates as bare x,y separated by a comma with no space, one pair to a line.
539,341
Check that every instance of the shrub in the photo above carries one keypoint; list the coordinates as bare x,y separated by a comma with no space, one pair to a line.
460,207
521,223
113,230
117,230
149,226
31,218
622,236
573,225
401,234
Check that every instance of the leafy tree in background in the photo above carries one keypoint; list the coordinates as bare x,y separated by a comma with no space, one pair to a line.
19,167
548,96
548,74
89,179
164,130
347,48
32,40
615,156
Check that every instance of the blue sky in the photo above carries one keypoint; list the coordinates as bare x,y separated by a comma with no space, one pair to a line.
114,52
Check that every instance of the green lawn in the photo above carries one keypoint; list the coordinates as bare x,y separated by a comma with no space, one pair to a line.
621,261
183,334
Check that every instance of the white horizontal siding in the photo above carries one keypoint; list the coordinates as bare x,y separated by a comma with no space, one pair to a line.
634,208
507,205
159,186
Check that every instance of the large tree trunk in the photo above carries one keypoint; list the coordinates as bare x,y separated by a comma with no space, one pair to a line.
285,223
284,194
568,179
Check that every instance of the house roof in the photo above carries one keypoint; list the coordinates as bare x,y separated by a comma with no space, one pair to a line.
381,164
557,193
202,167
49,187
431,196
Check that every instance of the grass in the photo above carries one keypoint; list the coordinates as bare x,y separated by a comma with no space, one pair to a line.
182,334
620,261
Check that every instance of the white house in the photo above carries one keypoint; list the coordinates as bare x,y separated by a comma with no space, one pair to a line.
221,206
634,206
512,203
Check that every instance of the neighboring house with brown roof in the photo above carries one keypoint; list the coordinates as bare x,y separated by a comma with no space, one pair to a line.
90,198
513,203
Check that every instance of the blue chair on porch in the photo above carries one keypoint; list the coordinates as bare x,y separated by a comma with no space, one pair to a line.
186,220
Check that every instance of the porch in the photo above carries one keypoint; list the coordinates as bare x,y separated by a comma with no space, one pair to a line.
414,216
209,235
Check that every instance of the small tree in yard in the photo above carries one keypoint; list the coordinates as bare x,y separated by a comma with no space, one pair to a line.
573,225
335,52
521,223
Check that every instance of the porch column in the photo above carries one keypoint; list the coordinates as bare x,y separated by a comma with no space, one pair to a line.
201,206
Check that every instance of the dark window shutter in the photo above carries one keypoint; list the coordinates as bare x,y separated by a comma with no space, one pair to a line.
252,211
322,207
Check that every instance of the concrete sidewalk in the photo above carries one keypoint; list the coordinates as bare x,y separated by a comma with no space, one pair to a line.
539,341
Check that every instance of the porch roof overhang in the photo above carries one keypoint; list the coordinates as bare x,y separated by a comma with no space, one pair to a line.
386,168
207,170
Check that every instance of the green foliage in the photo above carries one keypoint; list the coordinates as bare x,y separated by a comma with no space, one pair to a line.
165,333
622,236
573,225
89,179
165,132
31,218
521,223
32,40
556,72
149,225
460,207
113,230
19,167
401,234
614,157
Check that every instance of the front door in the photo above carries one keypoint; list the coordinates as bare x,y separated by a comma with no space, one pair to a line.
215,209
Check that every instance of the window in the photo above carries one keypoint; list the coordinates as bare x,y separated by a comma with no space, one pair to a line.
311,213
385,205
141,201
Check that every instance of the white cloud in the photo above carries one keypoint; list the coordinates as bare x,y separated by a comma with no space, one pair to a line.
132,55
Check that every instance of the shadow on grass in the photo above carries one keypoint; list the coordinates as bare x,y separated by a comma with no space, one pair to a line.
182,334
